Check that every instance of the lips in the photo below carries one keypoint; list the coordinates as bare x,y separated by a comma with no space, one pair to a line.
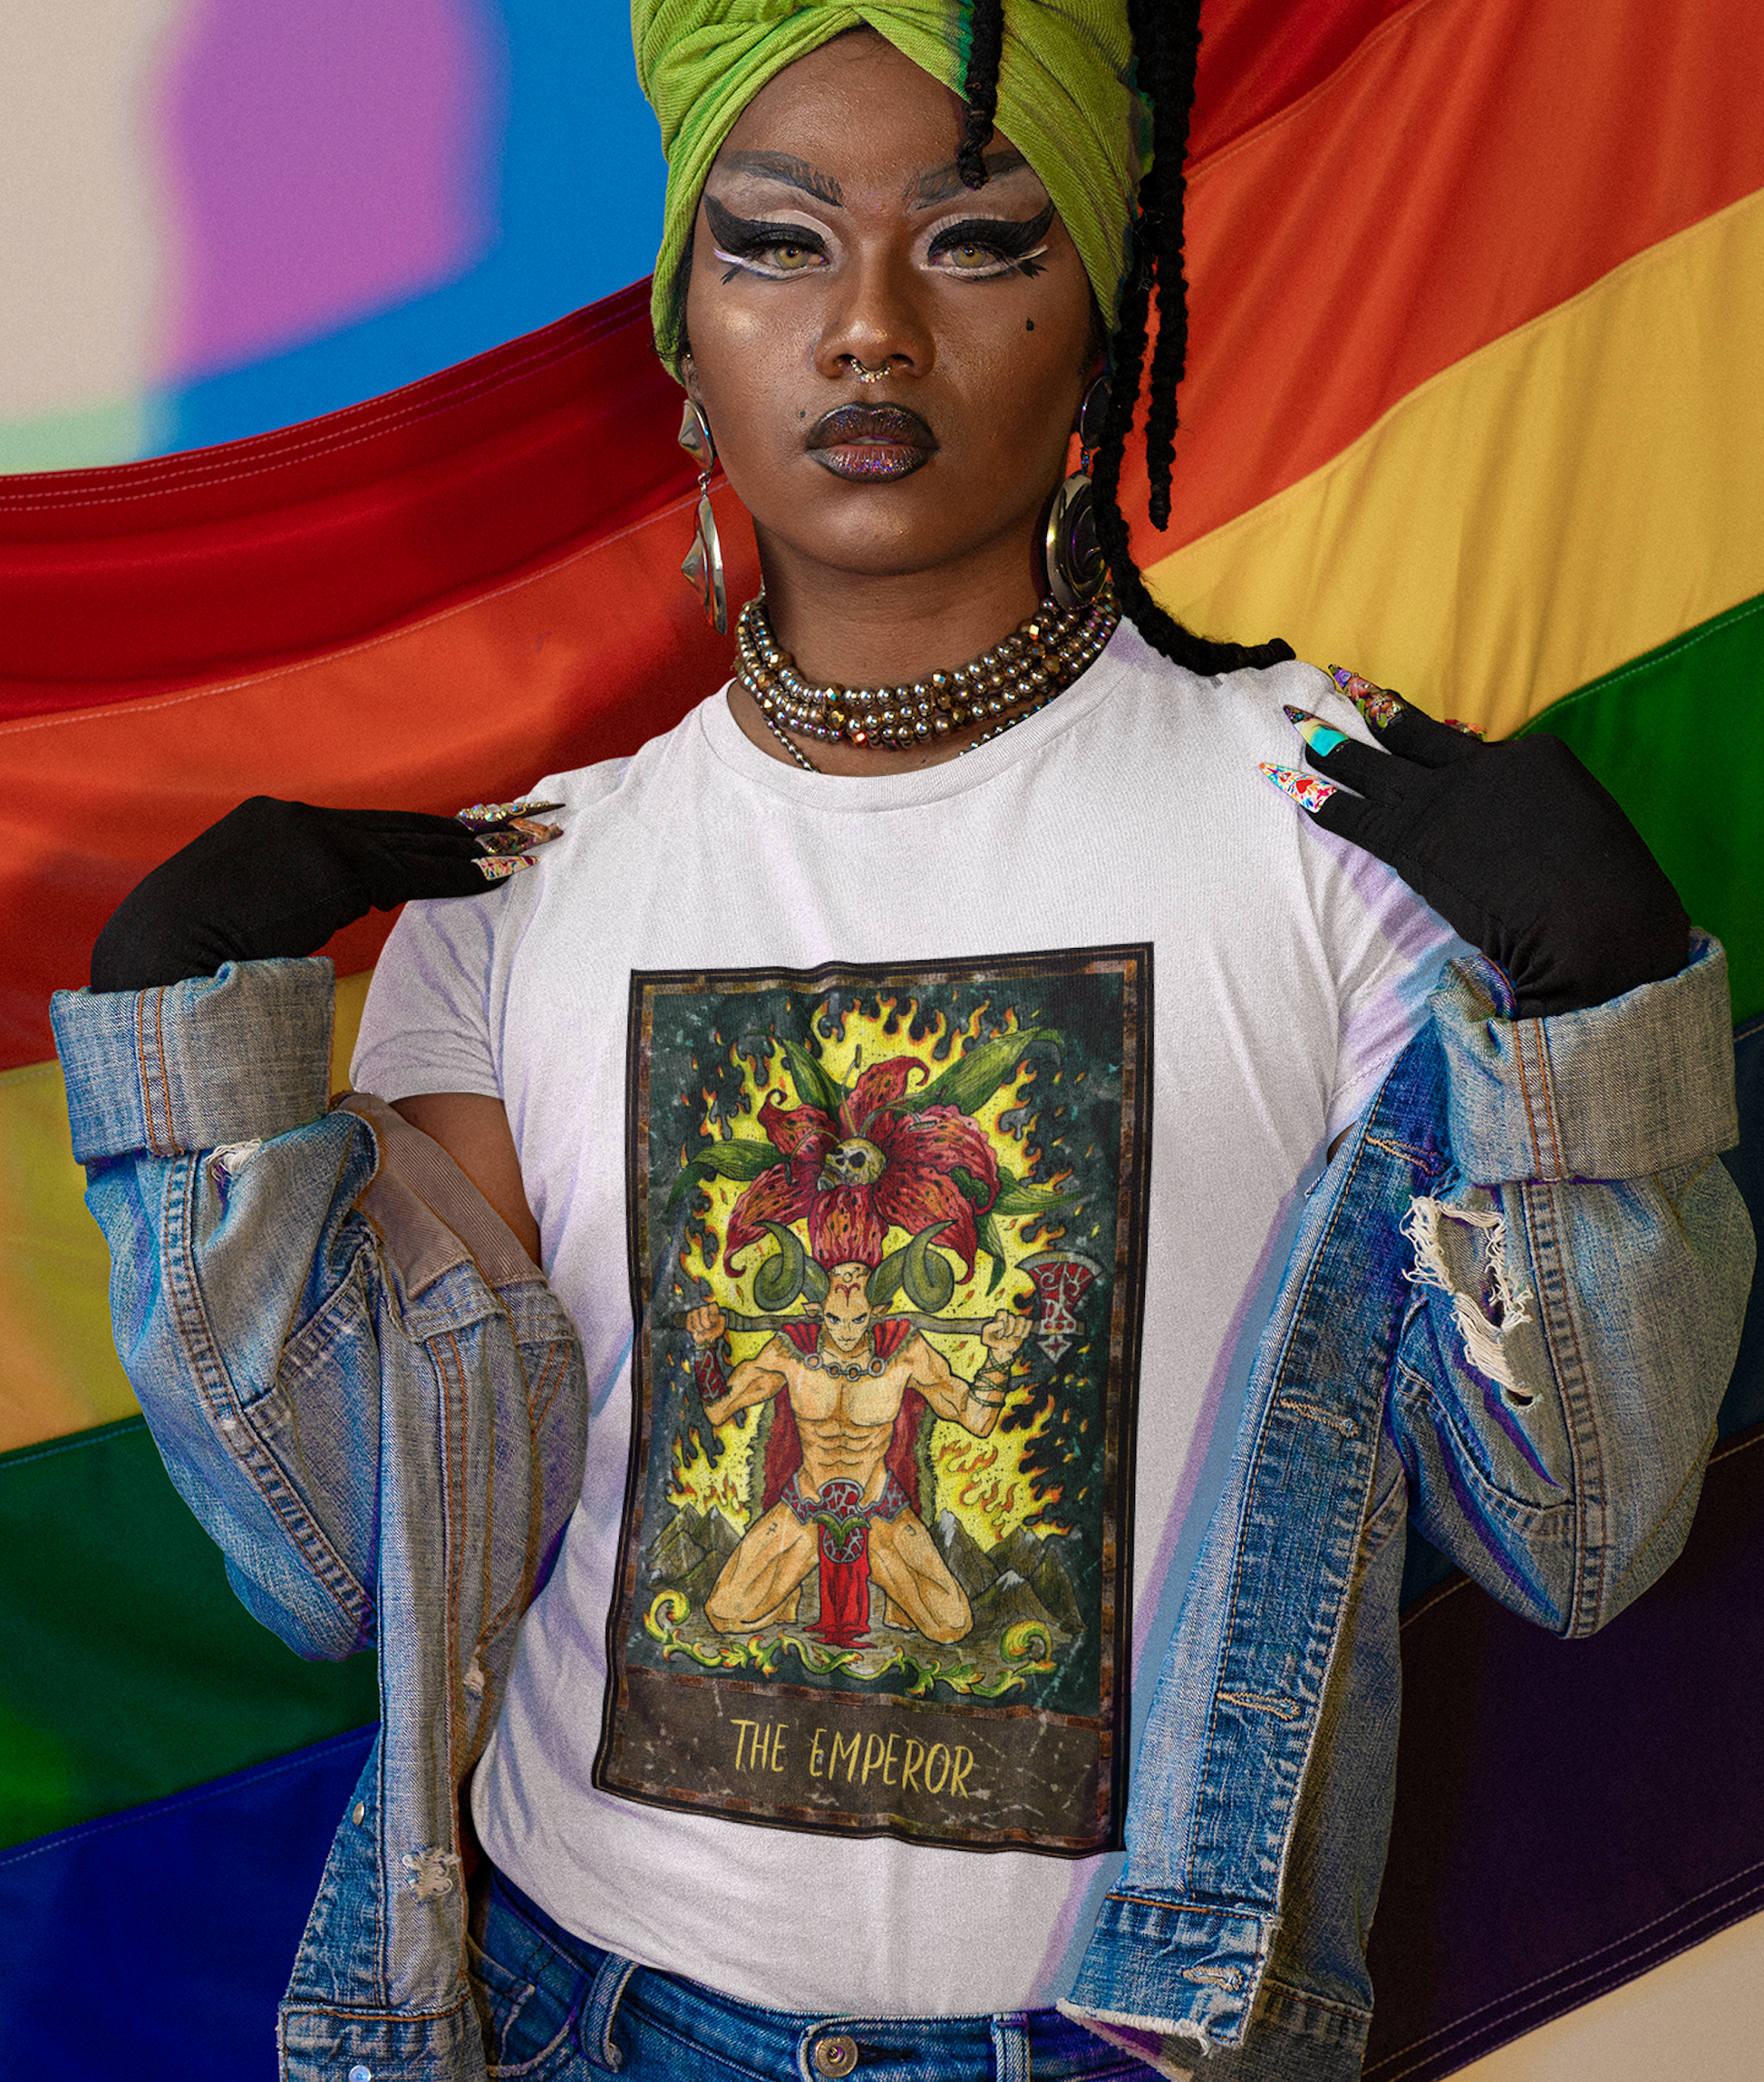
871,441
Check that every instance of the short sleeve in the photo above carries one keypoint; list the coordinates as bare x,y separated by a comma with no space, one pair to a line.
426,1026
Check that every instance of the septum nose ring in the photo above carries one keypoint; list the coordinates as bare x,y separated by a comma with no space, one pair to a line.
866,375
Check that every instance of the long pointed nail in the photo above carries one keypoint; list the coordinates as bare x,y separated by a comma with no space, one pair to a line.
481,813
1379,705
1322,737
1304,789
518,836
502,866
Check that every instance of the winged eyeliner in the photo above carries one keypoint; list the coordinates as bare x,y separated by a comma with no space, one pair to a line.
737,237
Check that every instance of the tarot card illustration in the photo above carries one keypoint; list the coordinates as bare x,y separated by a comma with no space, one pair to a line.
888,1237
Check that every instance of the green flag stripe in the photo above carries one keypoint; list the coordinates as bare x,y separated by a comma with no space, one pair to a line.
132,1670
1677,736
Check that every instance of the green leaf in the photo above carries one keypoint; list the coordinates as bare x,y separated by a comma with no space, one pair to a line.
993,1242
1020,1196
967,1085
743,1158
971,1189
813,1086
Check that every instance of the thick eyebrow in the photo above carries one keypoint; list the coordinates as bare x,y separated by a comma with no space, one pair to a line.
793,172
938,187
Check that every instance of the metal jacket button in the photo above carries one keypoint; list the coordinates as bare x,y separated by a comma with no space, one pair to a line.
837,2055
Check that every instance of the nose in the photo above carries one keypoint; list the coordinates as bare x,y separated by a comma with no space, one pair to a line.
876,326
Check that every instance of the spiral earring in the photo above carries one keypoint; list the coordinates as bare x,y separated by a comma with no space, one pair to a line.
1071,557
702,564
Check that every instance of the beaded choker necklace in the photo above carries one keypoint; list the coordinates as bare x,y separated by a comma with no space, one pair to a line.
1008,684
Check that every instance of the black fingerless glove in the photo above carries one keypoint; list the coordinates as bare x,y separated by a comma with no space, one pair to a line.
279,878
1515,844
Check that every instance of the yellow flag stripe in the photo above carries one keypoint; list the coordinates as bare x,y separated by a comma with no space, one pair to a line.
1572,495
59,1372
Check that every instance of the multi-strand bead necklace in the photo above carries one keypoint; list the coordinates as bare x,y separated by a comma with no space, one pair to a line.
1006,685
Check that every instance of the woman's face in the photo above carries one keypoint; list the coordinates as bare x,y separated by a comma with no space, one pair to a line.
833,234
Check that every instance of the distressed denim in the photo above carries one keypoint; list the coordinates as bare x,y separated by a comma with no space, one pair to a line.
1511,1310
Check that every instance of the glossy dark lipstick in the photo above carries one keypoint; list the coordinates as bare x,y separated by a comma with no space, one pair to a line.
871,441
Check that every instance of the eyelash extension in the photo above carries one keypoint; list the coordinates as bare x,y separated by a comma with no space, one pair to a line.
1020,243
741,240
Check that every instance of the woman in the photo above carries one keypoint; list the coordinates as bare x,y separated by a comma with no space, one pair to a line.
907,1072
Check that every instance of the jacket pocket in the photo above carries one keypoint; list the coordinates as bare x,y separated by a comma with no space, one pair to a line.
1509,1484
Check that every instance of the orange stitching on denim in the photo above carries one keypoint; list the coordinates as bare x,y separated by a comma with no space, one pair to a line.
1525,1094
1541,1045
165,1074
1262,1702
453,1477
1565,1310
1315,1410
1214,1976
1401,1149
145,1074
1303,1303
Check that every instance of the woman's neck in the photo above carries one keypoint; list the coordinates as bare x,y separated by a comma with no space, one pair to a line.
875,631
864,629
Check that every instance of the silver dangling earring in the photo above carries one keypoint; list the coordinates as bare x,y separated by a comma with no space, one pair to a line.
1071,557
702,564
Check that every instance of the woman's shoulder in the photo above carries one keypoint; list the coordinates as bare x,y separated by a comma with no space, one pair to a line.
1240,713
602,782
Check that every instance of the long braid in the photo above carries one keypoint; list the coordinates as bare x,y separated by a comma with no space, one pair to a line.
1166,50
980,87
1165,45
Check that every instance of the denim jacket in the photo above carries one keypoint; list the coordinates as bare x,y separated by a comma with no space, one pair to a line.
1511,1310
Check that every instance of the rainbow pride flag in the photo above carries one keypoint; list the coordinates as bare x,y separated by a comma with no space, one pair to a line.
1473,407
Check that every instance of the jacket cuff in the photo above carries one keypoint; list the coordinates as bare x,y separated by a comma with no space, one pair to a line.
1641,1084
233,1058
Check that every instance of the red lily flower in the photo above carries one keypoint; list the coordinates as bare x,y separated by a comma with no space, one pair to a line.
876,1168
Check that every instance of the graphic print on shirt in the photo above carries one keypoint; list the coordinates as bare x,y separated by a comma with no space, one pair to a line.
887,1255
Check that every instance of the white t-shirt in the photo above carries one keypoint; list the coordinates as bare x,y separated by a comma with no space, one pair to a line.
827,1701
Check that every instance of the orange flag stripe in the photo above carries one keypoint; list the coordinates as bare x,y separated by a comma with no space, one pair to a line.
1474,164
583,661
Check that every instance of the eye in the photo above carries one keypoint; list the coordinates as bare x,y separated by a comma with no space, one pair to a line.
980,247
788,258
971,258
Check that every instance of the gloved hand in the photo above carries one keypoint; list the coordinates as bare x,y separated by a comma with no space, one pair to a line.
1515,844
280,877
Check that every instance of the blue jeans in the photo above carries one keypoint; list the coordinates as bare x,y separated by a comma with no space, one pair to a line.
559,2009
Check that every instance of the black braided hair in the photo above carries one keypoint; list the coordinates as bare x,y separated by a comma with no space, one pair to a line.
980,87
1166,48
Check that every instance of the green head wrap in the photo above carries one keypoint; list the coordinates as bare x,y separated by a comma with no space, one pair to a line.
1064,100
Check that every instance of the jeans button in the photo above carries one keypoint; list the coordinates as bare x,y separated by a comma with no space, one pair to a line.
837,2055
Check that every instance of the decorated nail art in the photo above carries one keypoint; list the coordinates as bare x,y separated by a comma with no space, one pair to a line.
1467,730
517,836
1379,705
482,813
499,866
1322,737
1304,789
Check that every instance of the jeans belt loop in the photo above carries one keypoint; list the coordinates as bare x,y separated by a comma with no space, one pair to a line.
1011,2048
593,2034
